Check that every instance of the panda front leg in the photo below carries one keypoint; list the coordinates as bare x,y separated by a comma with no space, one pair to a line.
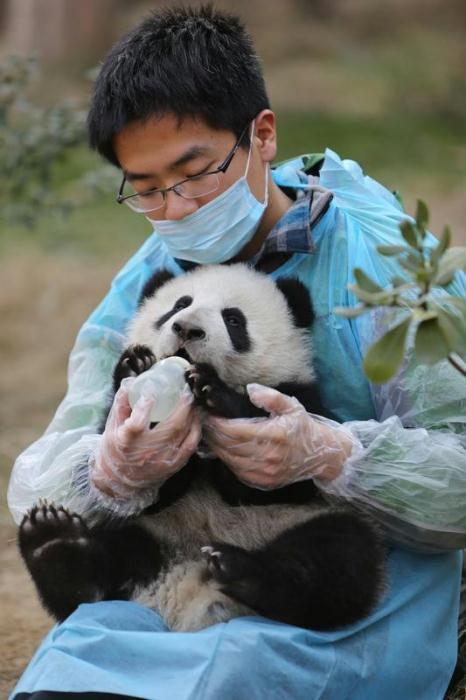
323,574
212,394
72,564
135,360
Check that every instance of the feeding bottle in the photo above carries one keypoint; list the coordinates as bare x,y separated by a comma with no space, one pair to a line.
165,382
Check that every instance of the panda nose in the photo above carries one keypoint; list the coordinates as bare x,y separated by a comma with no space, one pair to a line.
187,332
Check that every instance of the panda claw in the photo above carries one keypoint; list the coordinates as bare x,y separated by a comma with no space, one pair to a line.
207,550
214,559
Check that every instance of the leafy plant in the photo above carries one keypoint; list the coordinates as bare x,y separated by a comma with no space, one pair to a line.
437,319
33,141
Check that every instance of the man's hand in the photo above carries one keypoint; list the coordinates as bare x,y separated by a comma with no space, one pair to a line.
290,446
132,456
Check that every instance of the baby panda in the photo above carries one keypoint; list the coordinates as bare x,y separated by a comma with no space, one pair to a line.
212,548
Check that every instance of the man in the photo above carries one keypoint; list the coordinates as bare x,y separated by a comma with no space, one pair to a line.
180,106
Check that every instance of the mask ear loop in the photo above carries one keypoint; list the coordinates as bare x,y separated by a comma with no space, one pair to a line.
266,188
250,151
266,185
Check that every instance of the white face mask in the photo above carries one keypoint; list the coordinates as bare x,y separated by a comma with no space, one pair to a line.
217,231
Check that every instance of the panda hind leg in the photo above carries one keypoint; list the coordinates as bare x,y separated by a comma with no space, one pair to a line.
71,564
322,574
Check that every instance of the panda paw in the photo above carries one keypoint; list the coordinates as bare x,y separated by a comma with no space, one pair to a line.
208,389
46,524
134,361
62,558
216,397
240,572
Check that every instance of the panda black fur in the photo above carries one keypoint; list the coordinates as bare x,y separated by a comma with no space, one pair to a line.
212,548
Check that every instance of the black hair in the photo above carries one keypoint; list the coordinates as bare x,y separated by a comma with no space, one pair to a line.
192,62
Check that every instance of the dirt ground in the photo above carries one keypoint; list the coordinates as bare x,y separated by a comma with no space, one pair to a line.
44,300
23,623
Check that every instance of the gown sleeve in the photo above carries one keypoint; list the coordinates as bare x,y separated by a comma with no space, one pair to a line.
409,471
56,466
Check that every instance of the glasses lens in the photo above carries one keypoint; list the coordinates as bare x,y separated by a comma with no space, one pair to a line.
190,189
198,186
145,203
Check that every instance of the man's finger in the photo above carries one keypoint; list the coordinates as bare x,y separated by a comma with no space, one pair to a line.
271,400
121,410
246,471
252,449
244,430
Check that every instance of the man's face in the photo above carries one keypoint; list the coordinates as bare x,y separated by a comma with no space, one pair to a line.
160,152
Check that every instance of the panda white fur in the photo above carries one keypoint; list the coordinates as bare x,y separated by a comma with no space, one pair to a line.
212,548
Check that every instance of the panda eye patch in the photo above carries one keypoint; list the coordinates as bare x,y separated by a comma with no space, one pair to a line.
236,325
233,317
182,303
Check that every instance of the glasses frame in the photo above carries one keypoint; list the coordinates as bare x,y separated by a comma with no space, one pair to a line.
222,168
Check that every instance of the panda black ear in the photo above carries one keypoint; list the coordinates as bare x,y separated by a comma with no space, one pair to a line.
298,299
157,280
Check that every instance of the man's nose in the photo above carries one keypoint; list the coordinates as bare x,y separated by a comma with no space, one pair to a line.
187,331
177,207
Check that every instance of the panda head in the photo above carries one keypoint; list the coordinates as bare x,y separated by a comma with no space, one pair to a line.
250,328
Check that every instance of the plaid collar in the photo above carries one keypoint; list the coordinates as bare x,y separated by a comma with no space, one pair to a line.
293,231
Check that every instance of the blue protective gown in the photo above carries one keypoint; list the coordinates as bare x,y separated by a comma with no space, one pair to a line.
407,648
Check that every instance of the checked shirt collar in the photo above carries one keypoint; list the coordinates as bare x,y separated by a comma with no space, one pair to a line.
293,231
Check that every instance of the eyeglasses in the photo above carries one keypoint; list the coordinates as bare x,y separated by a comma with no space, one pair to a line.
190,188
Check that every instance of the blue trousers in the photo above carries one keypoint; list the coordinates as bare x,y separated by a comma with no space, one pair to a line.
406,650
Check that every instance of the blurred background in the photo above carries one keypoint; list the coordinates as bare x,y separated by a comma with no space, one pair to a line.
383,83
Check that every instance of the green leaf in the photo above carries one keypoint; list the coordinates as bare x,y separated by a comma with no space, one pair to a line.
454,259
421,315
382,298
453,327
409,233
422,214
409,264
365,282
439,250
389,250
351,311
398,281
384,358
430,344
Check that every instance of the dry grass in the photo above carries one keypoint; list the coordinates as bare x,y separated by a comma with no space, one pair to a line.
43,302
23,623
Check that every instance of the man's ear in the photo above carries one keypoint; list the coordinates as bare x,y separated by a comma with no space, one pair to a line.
298,299
157,280
266,134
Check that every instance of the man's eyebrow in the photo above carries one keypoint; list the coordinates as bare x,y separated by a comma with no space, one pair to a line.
190,154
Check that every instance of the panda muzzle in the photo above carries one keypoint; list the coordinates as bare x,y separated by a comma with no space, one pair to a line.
186,331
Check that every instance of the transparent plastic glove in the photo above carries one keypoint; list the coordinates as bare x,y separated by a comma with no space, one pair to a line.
291,445
132,456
